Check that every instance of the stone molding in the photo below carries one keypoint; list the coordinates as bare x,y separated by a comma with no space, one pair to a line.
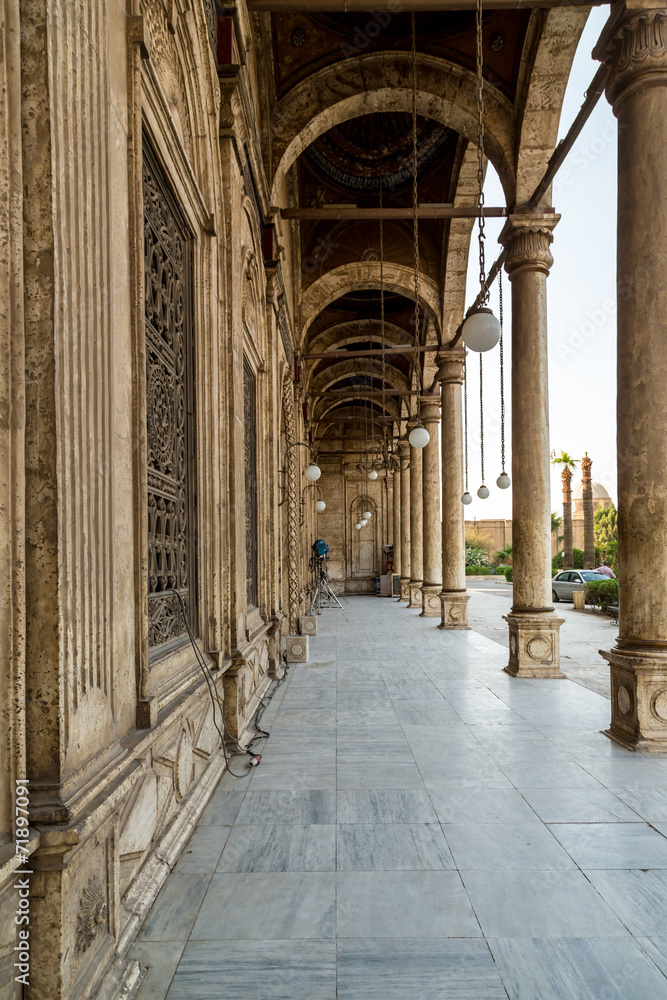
527,240
430,601
634,48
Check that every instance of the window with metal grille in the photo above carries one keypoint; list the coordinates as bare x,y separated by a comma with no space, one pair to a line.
169,410
250,435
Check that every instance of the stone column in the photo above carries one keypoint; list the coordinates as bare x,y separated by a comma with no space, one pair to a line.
453,596
533,626
404,449
634,44
397,520
432,585
416,528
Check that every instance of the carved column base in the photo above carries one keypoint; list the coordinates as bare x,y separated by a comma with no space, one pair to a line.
405,590
415,594
638,699
534,644
309,624
296,647
430,601
454,609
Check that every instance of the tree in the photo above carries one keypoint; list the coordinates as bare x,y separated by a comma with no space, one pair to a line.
606,534
587,497
504,556
556,522
568,464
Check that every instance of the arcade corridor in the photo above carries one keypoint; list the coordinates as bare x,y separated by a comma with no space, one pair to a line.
421,825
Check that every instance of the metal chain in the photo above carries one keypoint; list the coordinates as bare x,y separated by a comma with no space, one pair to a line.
481,411
382,333
415,191
502,376
465,416
480,152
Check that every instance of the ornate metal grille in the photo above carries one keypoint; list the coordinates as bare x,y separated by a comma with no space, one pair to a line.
169,408
250,431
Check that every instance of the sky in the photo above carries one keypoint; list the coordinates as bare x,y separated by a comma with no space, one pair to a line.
581,295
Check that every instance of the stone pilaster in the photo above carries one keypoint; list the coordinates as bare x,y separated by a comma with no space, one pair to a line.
634,44
404,449
533,626
453,596
416,527
432,566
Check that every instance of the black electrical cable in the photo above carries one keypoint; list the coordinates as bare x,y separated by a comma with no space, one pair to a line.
210,683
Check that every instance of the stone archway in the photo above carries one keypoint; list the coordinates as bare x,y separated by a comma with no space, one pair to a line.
376,82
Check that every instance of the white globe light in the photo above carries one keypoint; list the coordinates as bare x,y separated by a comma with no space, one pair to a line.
466,498
367,515
503,481
364,522
358,527
483,492
320,506
313,472
481,331
372,474
419,437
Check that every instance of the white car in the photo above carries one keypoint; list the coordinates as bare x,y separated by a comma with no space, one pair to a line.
564,584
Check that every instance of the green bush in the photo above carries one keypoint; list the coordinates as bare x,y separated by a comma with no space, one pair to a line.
478,571
509,573
578,556
476,556
601,593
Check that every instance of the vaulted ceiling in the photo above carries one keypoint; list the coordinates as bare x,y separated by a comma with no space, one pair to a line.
359,65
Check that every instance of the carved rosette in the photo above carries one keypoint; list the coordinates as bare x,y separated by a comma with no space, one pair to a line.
450,367
634,47
527,240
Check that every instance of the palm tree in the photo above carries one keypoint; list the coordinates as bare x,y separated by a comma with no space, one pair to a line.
568,464
556,522
589,524
504,555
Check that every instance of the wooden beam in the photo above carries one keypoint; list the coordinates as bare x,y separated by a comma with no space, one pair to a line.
336,212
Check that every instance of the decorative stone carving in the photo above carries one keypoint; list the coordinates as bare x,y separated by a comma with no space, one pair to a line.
92,915
296,648
454,610
624,700
528,244
633,45
309,624
534,644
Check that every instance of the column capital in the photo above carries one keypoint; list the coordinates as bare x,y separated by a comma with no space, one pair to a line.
429,409
450,366
527,239
633,45
404,451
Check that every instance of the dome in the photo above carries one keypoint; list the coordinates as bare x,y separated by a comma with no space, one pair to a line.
598,490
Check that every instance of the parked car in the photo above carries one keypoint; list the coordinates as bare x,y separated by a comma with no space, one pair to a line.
564,584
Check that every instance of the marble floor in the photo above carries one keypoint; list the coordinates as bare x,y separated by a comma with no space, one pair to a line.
422,826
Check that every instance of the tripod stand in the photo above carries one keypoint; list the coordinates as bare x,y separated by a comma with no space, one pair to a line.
322,592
